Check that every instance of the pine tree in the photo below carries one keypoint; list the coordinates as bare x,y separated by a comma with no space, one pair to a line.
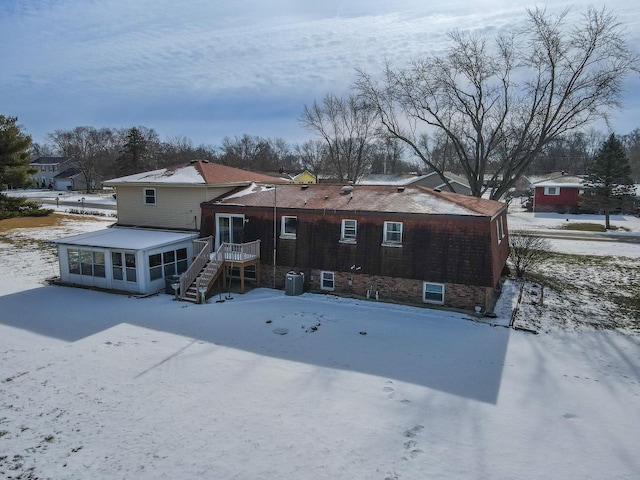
134,152
609,185
15,159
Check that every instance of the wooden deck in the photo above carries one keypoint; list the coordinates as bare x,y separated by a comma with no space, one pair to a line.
208,266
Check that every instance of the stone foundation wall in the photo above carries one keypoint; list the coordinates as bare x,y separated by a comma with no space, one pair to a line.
390,289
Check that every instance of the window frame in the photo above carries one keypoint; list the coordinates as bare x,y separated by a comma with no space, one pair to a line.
386,231
425,285
343,231
283,224
556,191
323,285
146,198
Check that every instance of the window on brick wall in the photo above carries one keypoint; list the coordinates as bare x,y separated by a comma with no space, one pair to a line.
433,293
349,231
327,281
392,234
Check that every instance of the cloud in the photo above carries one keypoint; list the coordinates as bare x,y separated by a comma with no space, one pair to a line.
74,59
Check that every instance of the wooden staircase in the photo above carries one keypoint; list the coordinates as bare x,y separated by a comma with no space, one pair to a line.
208,266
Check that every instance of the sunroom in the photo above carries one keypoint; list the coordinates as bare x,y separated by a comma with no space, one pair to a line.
124,259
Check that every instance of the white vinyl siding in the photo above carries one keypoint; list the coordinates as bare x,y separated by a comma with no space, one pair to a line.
177,207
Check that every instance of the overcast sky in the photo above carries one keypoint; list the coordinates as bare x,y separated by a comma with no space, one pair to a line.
210,68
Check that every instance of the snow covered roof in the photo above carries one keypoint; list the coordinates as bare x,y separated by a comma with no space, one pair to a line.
196,173
561,180
371,198
126,238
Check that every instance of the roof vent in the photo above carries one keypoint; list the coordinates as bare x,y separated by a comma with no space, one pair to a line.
437,190
346,189
304,186
400,189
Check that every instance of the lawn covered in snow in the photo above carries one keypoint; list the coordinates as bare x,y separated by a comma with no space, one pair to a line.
97,385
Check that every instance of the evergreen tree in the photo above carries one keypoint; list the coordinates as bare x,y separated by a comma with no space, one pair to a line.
134,152
15,159
609,185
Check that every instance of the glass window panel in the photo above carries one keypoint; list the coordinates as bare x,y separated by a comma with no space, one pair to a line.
117,273
131,274
169,257
86,262
182,266
181,254
116,259
130,259
155,260
74,261
169,269
155,273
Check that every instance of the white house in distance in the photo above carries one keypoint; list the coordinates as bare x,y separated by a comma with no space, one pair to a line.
158,222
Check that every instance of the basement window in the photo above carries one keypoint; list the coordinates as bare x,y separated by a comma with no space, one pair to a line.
433,293
327,281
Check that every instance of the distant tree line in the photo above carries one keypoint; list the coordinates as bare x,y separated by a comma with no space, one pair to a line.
491,111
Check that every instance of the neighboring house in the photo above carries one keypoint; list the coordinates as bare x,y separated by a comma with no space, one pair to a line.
48,168
430,180
407,244
305,177
170,198
70,179
156,234
559,193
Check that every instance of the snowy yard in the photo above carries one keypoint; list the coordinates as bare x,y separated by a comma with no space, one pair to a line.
97,385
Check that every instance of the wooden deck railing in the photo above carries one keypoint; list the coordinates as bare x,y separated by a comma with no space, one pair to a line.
186,279
210,264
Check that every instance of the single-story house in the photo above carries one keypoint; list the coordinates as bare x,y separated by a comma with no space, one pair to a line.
124,259
559,192
406,244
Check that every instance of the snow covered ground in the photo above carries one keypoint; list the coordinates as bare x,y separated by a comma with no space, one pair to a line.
97,385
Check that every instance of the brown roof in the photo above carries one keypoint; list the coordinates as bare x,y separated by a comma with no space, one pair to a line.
216,173
373,198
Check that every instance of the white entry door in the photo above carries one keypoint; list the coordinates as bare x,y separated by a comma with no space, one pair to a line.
229,229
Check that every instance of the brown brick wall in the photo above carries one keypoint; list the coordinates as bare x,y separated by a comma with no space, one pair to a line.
390,289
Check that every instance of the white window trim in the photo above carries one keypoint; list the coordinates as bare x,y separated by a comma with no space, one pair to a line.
283,234
333,281
387,243
343,239
144,197
424,290
556,190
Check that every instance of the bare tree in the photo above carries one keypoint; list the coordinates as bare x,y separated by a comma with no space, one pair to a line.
347,126
92,150
500,104
313,156
527,250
